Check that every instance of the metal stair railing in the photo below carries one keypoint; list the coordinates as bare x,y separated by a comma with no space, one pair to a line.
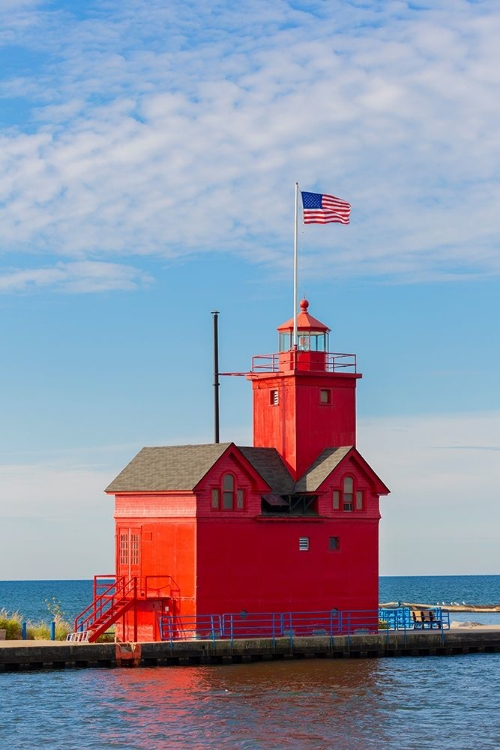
107,607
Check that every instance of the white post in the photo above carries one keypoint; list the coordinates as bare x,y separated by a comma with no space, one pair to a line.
295,265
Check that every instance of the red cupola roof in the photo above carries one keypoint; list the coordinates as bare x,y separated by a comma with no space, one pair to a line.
305,322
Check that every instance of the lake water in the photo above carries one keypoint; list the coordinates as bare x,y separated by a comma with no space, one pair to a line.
405,703
30,597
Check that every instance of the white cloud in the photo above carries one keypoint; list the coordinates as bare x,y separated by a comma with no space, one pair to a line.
150,147
75,277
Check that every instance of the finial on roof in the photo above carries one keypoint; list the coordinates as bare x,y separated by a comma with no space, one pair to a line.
304,304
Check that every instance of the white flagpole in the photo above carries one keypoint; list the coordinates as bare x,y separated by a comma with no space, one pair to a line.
295,264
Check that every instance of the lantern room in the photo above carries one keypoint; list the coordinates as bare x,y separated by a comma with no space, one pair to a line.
310,353
312,334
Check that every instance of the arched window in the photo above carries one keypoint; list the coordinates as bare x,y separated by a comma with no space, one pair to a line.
233,497
348,494
344,499
227,492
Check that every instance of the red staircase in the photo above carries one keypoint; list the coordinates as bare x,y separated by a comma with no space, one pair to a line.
105,610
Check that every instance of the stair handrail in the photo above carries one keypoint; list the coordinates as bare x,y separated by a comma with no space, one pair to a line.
107,617
102,582
89,615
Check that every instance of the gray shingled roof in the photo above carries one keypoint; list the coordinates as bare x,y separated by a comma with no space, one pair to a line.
269,464
173,467
326,462
181,467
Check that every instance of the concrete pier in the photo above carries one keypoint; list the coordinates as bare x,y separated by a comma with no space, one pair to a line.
45,655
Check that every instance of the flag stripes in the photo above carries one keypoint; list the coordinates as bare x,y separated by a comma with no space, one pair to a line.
325,209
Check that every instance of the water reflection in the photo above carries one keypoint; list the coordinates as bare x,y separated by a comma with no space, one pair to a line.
347,705
297,704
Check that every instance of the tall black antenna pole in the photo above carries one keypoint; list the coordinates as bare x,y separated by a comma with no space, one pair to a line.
215,315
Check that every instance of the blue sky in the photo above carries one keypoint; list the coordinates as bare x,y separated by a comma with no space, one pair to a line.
148,155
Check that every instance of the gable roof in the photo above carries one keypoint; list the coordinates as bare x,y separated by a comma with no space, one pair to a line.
326,462
268,463
172,467
182,467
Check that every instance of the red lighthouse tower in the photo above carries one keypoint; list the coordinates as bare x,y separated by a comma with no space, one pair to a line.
287,525
304,397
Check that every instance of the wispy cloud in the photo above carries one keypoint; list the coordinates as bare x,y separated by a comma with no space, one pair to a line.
75,277
165,131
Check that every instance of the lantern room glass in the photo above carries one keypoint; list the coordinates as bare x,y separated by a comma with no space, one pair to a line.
307,341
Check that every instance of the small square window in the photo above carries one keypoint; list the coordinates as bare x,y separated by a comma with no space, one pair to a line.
304,543
334,543
325,396
336,499
359,500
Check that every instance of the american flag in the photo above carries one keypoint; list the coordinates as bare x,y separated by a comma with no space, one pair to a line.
324,209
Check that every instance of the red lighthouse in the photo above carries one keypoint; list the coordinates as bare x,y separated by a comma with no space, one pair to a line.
304,397
289,524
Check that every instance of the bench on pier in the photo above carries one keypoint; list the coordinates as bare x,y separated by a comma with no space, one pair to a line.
425,618
79,637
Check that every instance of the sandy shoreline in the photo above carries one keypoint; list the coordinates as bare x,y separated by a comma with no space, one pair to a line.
473,625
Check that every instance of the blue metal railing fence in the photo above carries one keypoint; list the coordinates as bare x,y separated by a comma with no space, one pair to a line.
296,624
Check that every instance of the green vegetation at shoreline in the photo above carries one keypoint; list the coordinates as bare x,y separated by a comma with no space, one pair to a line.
37,631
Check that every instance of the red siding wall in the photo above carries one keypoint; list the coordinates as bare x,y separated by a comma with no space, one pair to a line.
166,524
257,566
300,427
247,561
